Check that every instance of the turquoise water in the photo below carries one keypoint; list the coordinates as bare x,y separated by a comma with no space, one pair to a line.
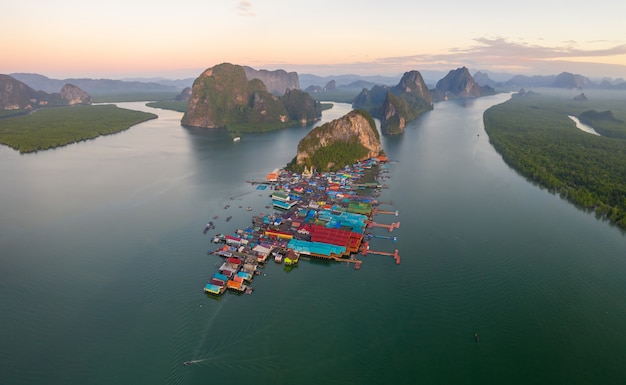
103,264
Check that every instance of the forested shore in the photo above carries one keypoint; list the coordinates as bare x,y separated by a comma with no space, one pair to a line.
55,127
534,135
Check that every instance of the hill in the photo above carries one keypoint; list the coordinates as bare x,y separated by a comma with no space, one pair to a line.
404,103
338,143
16,95
222,96
395,106
277,82
459,84
94,86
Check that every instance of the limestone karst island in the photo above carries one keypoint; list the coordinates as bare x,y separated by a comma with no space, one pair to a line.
325,198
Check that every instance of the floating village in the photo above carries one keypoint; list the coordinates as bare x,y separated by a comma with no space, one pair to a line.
328,216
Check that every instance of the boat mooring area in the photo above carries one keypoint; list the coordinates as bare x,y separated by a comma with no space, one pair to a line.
319,215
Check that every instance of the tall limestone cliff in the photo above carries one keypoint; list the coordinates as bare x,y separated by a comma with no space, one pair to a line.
371,99
338,143
404,103
217,90
395,106
184,96
222,96
459,84
277,82
74,95
16,95
301,106
572,81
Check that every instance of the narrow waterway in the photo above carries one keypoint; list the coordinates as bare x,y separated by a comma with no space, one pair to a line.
583,127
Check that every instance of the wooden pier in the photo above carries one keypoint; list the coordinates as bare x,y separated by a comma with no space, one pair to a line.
394,225
366,250
376,211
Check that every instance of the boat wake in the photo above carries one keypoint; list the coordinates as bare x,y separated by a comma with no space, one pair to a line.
187,363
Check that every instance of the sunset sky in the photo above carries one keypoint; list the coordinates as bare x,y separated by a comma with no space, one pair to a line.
178,39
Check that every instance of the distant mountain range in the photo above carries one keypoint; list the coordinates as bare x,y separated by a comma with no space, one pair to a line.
17,95
398,105
94,86
346,82
360,81
563,80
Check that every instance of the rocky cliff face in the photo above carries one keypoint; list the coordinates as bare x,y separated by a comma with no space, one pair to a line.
220,89
412,83
15,95
483,79
223,96
184,96
371,99
459,84
569,80
301,106
392,121
330,86
276,82
404,103
343,141
395,106
74,95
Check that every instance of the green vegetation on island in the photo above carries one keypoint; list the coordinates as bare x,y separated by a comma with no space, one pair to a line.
338,95
333,157
54,127
222,96
396,106
406,108
535,136
604,123
134,97
11,113
339,143
174,105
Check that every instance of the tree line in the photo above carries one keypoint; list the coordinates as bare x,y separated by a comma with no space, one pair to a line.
536,137
54,127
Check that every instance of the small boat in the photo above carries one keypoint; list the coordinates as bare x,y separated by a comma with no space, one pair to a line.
229,218
236,139
248,208
209,226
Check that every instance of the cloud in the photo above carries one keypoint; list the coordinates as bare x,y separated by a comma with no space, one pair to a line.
497,55
502,47
500,54
245,8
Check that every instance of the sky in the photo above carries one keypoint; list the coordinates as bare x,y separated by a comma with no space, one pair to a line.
179,39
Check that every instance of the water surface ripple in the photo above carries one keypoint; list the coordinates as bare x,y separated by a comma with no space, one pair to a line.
103,264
